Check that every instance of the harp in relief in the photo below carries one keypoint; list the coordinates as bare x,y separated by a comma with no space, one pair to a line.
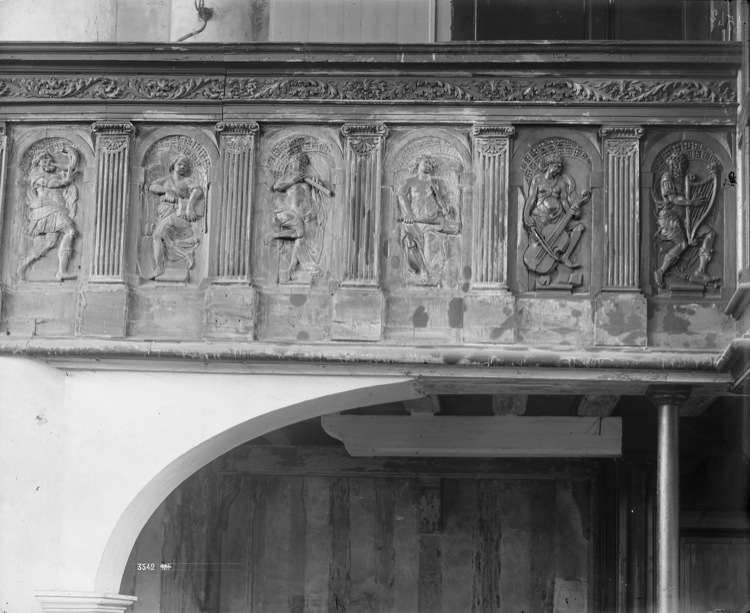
706,189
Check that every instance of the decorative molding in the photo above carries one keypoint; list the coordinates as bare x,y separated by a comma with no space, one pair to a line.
249,127
106,127
527,90
370,129
112,88
489,131
65,601
621,132
342,89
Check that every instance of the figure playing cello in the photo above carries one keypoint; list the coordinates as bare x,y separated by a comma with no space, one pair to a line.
550,215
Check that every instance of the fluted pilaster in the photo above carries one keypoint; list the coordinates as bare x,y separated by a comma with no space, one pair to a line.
364,162
232,258
489,252
622,207
112,192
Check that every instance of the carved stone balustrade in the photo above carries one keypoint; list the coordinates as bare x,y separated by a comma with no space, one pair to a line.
397,196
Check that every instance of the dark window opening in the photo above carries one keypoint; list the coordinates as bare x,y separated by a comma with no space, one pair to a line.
485,20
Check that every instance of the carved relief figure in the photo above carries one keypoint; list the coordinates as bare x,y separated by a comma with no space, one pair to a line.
683,205
551,216
300,214
425,216
51,203
181,203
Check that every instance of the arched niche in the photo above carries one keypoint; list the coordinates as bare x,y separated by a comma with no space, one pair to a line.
426,254
186,253
26,142
582,162
306,261
702,150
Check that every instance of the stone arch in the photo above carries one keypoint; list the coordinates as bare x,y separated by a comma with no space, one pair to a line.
285,399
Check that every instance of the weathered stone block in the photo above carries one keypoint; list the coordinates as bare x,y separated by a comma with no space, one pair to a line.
690,326
294,314
621,320
543,321
43,309
423,315
103,311
357,314
490,317
230,312
163,312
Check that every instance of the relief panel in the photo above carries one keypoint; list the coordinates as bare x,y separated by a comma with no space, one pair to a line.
427,209
686,202
296,208
46,234
172,243
554,251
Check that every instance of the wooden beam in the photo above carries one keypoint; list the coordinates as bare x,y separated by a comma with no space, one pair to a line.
429,405
597,405
509,404
695,405
453,436
333,460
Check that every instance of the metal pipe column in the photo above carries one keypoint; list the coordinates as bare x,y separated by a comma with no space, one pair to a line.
668,402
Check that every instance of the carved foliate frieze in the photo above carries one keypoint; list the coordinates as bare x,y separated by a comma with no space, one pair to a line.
300,204
427,176
112,88
112,190
513,90
553,212
50,171
175,189
686,205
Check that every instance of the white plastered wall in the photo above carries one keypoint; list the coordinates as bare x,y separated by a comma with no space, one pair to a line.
89,455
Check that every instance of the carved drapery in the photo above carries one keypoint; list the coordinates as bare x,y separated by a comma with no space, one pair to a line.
622,206
491,146
364,160
232,261
112,193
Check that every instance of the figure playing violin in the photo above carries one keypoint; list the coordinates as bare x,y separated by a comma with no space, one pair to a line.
551,216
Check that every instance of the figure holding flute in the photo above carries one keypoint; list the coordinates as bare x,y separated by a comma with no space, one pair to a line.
300,215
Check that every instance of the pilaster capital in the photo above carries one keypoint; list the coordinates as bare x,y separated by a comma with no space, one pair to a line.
113,128
360,130
660,395
492,131
621,132
247,127
83,602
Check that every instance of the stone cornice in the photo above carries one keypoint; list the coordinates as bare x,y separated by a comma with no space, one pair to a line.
337,89
659,56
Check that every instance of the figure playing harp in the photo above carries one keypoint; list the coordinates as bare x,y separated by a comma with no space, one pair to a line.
683,206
